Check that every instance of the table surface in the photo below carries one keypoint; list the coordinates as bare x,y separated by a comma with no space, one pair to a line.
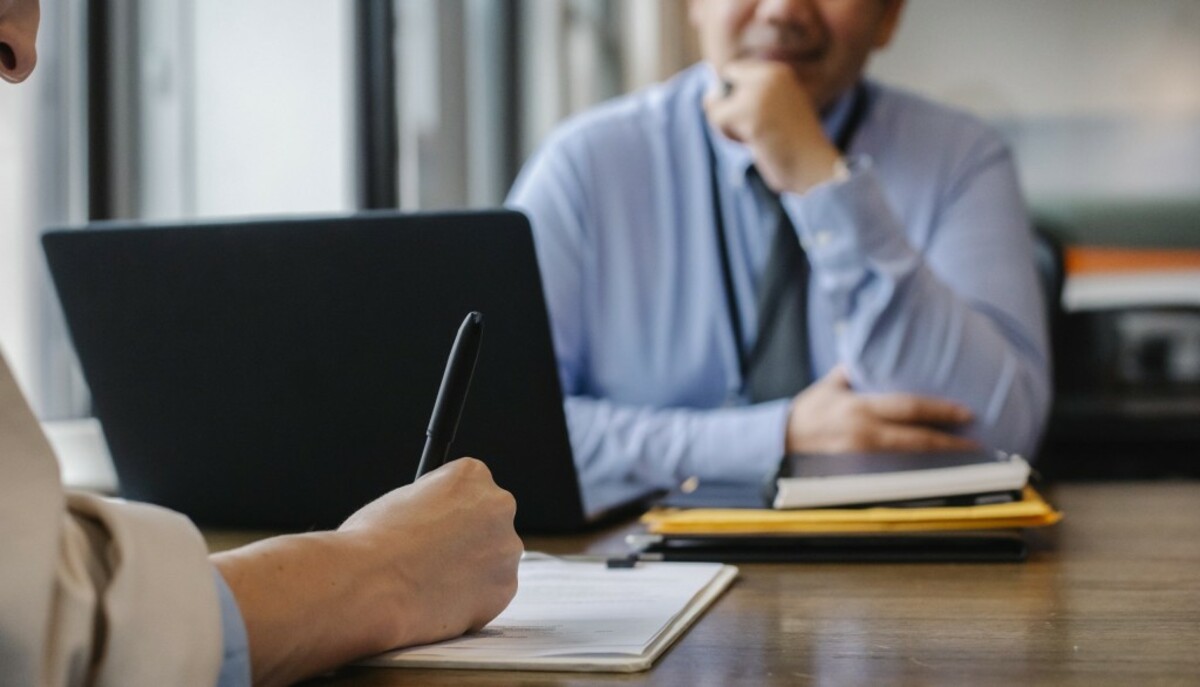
1109,596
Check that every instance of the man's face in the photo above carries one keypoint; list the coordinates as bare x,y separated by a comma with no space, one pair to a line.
18,31
825,42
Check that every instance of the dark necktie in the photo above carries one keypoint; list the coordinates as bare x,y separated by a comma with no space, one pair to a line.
778,365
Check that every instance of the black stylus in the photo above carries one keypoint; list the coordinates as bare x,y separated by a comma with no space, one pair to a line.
452,394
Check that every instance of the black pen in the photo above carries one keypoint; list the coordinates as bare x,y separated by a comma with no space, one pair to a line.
452,395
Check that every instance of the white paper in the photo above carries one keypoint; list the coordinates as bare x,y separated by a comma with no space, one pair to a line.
577,610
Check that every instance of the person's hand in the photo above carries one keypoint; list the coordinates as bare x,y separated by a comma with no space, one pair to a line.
830,417
766,108
424,562
452,547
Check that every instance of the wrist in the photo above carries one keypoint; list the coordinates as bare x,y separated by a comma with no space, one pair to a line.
385,594
841,170
310,602
817,167
791,440
828,165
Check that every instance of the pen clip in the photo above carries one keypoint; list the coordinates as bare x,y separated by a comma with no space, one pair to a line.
638,544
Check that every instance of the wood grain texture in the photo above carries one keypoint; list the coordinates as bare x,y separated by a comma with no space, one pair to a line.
1109,596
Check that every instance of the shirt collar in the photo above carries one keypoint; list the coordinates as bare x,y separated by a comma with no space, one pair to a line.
736,157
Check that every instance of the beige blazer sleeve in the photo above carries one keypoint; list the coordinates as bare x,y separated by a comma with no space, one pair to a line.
94,591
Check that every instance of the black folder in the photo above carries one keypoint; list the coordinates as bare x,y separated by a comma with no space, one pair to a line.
989,546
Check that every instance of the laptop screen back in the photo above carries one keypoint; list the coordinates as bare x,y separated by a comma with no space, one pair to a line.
281,373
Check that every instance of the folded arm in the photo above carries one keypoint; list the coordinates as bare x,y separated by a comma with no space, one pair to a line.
961,319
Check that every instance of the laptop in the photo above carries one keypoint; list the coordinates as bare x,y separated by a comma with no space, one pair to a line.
281,373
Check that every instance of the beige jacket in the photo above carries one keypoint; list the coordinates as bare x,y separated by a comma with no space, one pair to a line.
94,591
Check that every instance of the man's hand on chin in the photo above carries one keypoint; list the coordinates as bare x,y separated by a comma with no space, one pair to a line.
765,107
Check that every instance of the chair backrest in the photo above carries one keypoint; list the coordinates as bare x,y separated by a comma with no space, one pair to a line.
1051,267
1050,259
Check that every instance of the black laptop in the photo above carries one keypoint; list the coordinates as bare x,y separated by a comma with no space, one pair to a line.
281,373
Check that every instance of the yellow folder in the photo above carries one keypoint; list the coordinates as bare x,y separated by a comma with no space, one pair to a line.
1031,511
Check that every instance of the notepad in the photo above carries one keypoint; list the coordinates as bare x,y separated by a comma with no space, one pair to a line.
821,480
572,615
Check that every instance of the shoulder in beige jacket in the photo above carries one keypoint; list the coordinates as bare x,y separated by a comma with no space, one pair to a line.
94,591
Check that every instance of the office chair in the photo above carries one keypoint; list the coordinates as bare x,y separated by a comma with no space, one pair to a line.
1050,260
1051,267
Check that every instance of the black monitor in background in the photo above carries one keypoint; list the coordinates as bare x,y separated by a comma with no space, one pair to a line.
280,373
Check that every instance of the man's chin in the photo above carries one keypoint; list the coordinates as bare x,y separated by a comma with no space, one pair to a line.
808,75
807,71
820,88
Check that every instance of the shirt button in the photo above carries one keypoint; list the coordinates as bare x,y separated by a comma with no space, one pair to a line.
823,237
839,327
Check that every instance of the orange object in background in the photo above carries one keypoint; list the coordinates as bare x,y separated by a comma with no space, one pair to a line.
1096,259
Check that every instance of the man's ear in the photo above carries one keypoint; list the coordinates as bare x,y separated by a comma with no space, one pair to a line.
888,23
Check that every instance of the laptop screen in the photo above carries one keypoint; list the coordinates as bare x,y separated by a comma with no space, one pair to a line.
280,373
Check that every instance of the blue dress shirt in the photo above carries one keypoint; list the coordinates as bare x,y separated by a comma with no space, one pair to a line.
923,279
235,666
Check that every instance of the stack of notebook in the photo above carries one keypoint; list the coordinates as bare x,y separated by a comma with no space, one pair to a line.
947,506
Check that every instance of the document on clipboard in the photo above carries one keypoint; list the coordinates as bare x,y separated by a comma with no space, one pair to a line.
575,615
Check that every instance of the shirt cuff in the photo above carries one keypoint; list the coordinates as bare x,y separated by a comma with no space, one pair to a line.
235,664
745,445
846,225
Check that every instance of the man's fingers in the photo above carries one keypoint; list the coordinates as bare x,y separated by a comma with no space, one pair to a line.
721,113
737,71
912,409
836,377
712,101
907,438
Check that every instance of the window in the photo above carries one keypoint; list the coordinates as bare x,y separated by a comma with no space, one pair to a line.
187,109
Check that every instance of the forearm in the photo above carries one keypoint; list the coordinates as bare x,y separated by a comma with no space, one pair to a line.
972,332
932,343
662,446
311,602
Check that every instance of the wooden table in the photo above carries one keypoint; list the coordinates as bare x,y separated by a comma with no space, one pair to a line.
1109,596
